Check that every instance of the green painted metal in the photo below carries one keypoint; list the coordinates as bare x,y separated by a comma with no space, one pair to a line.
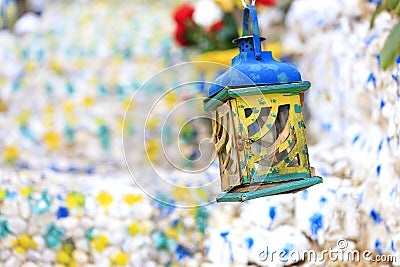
213,102
280,177
270,89
278,189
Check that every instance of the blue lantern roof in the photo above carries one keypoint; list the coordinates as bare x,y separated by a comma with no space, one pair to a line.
253,67
246,70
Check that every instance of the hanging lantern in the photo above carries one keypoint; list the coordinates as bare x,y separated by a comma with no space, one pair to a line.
258,125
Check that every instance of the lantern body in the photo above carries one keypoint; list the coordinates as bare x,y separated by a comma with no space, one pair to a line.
258,125
259,134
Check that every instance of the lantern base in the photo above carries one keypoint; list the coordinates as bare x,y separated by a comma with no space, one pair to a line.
243,193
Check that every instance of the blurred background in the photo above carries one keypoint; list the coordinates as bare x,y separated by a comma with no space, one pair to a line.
82,83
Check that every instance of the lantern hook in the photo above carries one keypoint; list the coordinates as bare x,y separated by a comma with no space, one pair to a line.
251,10
253,2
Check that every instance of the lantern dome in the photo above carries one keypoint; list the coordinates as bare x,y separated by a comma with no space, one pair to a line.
250,68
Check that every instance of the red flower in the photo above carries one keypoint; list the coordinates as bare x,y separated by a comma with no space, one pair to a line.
183,13
217,26
266,2
180,32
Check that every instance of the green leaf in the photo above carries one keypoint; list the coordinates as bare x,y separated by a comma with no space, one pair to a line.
392,3
391,48
376,13
397,8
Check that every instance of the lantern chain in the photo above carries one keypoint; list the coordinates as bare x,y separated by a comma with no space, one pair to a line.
253,2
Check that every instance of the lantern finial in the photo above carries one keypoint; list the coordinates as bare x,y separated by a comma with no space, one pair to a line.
256,42
253,2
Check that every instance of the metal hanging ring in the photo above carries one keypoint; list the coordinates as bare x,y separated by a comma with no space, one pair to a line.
253,2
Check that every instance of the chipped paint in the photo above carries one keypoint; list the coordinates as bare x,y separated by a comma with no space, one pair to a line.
297,108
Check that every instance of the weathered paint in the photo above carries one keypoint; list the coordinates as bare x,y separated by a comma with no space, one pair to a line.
277,189
297,108
276,177
214,101
247,161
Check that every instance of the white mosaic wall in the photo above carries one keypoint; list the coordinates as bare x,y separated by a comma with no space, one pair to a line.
71,210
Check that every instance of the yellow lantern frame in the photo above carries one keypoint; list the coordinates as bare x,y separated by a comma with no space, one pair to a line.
270,160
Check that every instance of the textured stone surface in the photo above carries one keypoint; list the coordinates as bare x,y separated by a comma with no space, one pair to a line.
67,206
